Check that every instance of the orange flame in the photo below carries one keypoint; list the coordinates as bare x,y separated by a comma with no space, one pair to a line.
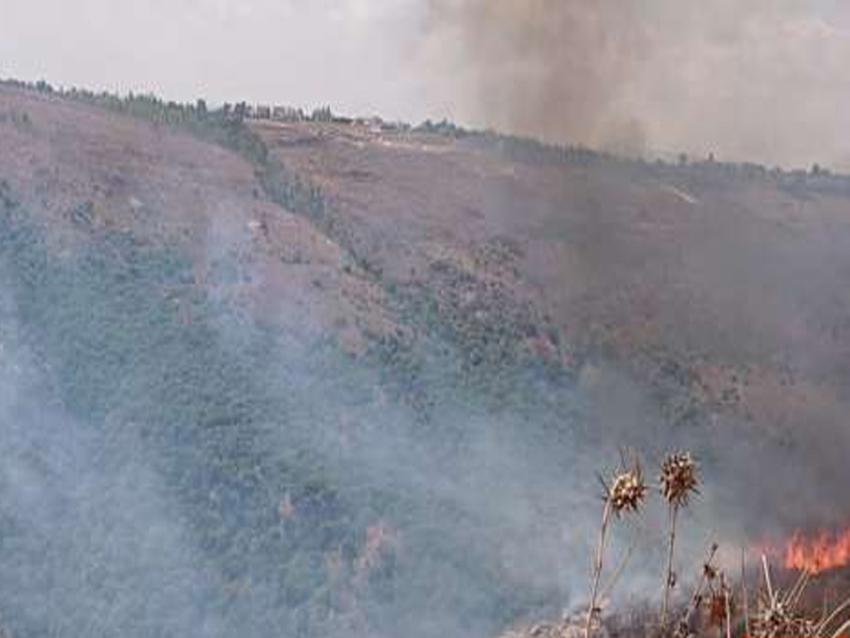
818,553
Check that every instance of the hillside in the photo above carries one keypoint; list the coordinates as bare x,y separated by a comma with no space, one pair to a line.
324,378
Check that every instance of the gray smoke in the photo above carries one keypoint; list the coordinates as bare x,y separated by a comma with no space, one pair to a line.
155,465
91,542
759,81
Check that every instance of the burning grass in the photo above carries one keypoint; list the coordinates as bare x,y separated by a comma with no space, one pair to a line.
819,553
718,606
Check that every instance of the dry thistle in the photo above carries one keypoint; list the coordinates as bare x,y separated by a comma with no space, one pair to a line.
721,606
716,608
707,577
678,480
627,491
779,613
774,619
623,495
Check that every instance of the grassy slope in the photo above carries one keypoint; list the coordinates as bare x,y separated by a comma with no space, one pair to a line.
348,323
149,304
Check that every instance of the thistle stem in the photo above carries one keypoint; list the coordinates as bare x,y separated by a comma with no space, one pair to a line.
744,592
696,597
597,567
768,583
668,581
606,591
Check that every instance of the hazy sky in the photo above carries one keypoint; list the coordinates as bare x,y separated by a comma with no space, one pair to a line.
763,80
350,53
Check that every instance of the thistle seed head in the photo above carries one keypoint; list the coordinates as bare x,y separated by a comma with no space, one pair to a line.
678,478
627,490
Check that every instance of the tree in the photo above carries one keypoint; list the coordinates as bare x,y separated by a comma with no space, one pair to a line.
323,114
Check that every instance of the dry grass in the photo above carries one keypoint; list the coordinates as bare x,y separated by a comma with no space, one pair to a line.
718,606
781,614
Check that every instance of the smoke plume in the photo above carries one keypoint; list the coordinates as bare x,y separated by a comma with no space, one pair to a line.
749,82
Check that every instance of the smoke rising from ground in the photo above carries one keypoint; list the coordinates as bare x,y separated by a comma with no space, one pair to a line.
759,81
165,477
146,467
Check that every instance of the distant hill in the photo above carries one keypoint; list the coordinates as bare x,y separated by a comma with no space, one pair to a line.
323,377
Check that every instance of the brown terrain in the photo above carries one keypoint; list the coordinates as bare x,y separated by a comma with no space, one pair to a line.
700,299
731,290
738,281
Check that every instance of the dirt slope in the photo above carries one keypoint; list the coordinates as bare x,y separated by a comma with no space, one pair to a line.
731,283
86,170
